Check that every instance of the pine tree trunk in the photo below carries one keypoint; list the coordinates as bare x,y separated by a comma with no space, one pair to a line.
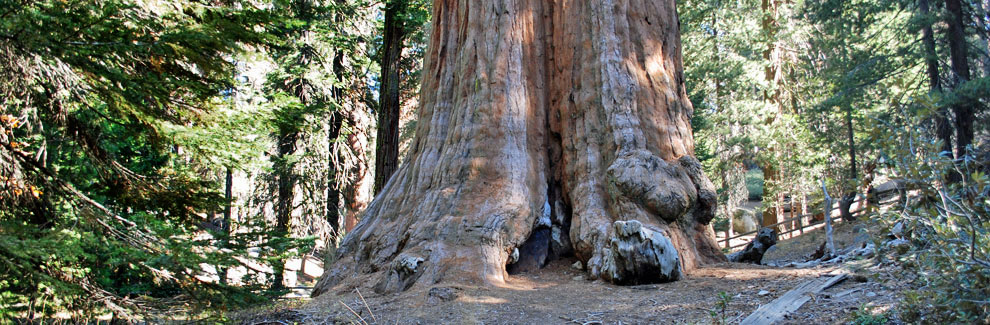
286,182
562,124
770,175
333,188
845,205
771,95
333,134
942,128
352,161
358,186
958,49
228,201
387,147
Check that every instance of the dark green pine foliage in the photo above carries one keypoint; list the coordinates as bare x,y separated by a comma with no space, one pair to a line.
102,207
303,92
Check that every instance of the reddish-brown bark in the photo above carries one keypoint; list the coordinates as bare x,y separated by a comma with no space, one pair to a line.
560,117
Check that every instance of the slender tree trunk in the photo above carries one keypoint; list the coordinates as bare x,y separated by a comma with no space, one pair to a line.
845,205
769,211
228,201
771,95
943,130
771,54
286,183
350,162
958,56
335,124
539,115
982,24
358,187
333,187
387,145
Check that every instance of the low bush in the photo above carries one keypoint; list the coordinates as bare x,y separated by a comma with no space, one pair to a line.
947,218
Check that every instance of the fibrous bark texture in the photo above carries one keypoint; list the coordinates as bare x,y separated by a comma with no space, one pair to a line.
359,181
566,118
387,146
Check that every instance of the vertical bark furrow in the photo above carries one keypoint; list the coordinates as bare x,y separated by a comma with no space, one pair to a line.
565,118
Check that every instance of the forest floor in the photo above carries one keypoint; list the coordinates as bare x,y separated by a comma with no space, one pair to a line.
558,294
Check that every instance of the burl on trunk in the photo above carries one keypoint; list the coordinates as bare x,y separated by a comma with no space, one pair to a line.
546,126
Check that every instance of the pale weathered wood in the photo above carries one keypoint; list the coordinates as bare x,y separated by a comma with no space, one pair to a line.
791,301
829,243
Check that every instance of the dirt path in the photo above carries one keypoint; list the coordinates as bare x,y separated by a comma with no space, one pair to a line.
558,295
554,296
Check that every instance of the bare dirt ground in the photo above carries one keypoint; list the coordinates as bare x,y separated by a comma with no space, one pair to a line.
558,294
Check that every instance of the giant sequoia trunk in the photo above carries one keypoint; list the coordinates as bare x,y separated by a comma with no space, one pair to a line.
559,125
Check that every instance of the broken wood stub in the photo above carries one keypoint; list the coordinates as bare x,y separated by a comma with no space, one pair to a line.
753,253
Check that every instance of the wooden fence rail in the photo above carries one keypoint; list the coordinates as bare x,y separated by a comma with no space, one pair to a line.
800,227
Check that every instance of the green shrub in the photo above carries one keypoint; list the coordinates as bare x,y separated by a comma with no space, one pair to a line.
865,315
949,222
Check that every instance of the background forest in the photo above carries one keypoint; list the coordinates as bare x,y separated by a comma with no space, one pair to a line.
175,155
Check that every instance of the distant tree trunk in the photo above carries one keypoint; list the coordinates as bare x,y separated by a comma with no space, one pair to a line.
286,182
228,201
963,107
769,211
335,124
352,160
771,95
942,128
359,185
866,187
845,205
982,25
561,124
387,145
333,187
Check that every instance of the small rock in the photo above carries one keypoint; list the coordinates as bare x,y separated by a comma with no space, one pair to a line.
438,295
409,264
897,230
861,240
579,278
578,266
901,246
871,294
763,293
